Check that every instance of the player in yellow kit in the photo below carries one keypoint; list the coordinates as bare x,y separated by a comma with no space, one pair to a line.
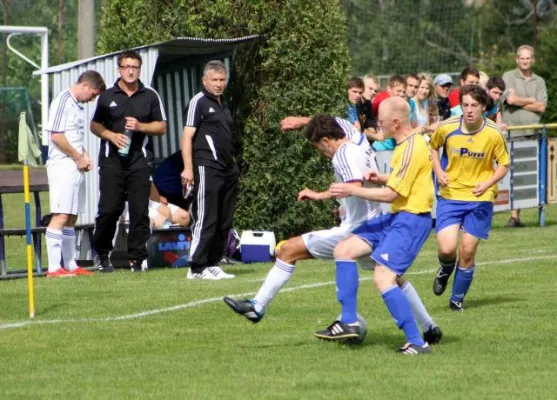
395,239
467,188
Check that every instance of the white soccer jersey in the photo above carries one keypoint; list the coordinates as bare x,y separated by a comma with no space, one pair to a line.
66,117
352,133
351,162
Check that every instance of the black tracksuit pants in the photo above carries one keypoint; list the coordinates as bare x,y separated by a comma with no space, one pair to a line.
215,194
116,186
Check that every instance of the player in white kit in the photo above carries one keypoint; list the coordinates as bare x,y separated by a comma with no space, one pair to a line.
352,159
66,165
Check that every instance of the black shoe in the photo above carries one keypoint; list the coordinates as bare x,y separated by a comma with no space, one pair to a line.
410,349
514,223
433,335
456,306
228,261
105,266
244,308
339,331
136,266
440,282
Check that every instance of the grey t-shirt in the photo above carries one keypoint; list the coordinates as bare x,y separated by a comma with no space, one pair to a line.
534,86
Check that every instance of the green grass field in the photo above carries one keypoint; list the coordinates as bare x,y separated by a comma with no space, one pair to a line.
157,335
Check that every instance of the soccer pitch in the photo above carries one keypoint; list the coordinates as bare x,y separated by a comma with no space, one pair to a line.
156,335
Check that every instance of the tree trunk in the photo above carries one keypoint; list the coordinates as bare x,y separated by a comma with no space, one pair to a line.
535,24
60,35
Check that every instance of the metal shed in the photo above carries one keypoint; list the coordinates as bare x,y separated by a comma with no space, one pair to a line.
172,67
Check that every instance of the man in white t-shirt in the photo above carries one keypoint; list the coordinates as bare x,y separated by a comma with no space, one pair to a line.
66,165
351,161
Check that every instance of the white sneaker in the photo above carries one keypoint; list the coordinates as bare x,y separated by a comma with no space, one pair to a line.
218,272
205,274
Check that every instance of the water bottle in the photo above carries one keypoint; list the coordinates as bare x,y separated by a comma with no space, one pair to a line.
123,152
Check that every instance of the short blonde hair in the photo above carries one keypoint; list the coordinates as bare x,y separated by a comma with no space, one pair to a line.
525,47
483,79
372,77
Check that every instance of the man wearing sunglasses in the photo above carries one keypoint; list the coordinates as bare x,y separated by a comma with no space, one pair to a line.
127,115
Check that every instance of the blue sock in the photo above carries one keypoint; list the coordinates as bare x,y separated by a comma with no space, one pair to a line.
347,289
400,310
462,281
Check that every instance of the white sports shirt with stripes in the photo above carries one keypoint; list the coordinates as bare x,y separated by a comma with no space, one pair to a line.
65,115
351,162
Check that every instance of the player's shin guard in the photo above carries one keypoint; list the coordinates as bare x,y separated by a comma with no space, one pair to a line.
462,281
400,310
347,281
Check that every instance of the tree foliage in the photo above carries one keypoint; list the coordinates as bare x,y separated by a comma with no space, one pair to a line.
298,68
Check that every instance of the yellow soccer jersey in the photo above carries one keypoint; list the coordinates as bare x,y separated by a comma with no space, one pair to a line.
411,176
468,158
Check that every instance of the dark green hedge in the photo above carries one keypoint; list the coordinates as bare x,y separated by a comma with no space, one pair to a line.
299,68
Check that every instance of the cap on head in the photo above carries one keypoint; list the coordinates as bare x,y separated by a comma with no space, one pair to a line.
442,79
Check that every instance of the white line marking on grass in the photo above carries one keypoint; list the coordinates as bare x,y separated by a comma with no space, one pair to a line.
196,303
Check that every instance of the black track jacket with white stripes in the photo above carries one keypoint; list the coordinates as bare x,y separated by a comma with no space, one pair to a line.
213,143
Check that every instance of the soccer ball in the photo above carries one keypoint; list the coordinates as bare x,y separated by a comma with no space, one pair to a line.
363,331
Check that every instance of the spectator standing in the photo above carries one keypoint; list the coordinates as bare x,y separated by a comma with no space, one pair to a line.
208,151
525,101
67,163
468,76
367,118
396,86
355,90
495,88
443,84
128,109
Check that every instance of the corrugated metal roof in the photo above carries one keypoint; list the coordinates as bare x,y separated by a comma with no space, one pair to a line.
179,63
179,46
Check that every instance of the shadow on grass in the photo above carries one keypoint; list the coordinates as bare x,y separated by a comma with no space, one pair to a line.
491,301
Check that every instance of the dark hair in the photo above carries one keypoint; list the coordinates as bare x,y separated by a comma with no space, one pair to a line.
129,54
356,82
93,79
469,71
496,82
413,76
323,126
476,92
396,79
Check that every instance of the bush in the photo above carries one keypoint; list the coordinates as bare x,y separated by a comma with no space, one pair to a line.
299,68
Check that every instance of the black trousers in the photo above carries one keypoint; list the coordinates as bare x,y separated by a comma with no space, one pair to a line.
215,194
116,186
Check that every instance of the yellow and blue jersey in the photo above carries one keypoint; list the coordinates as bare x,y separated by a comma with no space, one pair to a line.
468,158
411,170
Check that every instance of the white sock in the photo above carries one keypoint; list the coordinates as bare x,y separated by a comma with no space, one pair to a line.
54,248
275,280
418,309
68,248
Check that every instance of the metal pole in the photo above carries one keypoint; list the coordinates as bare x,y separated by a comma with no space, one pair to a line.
542,177
44,93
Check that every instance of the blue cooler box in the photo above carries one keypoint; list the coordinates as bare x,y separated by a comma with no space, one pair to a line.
257,246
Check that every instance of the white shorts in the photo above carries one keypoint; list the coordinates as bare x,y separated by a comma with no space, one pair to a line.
173,208
153,209
66,186
321,244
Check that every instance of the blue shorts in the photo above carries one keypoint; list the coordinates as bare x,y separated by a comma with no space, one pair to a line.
474,217
396,239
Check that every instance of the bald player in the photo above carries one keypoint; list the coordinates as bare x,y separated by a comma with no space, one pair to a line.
395,239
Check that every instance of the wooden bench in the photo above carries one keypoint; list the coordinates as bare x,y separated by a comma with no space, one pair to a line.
12,182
